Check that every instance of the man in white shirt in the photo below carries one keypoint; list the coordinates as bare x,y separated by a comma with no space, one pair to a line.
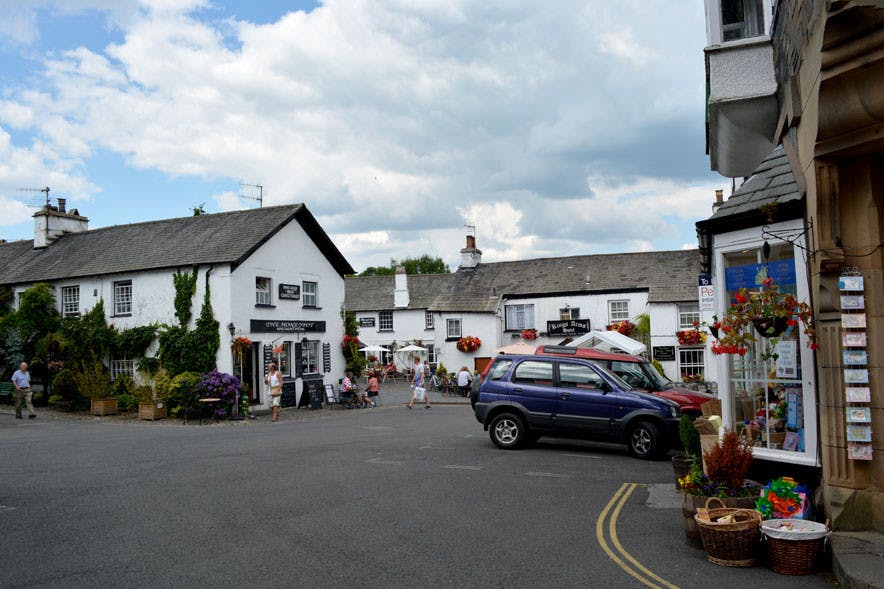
22,381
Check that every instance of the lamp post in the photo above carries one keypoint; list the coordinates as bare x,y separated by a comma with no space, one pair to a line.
237,354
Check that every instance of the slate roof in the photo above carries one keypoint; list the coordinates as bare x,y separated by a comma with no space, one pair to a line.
668,276
772,183
169,243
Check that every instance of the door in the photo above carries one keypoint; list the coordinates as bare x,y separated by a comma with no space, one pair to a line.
584,405
532,387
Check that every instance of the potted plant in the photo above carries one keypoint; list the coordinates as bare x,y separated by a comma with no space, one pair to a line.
691,337
626,327
727,465
469,344
94,381
765,313
690,441
529,334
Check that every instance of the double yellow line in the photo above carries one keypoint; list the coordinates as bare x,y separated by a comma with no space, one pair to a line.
618,554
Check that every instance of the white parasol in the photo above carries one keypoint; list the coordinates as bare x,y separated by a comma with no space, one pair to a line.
373,349
411,350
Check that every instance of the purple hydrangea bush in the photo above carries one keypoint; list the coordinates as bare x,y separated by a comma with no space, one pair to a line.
223,386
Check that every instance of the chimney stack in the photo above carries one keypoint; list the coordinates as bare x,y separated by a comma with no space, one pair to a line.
400,290
62,204
50,224
470,256
719,199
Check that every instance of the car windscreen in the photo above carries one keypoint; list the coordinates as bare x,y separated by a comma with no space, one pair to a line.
619,382
632,373
660,381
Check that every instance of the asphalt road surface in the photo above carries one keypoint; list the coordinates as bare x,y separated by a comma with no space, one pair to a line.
381,497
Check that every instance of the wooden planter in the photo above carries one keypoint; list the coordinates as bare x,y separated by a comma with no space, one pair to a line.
104,407
151,411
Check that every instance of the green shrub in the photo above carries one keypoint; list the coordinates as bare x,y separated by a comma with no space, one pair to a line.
178,392
689,436
659,367
93,380
124,392
55,399
65,385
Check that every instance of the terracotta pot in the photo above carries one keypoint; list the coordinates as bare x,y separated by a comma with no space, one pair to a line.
770,326
689,506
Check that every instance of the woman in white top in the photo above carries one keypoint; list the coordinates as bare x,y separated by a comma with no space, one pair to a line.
273,378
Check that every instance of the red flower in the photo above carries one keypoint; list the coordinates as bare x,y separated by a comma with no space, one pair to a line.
767,281
740,298
791,322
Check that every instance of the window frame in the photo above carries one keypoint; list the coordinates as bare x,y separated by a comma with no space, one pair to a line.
65,290
306,295
268,292
429,320
431,353
121,367
611,312
569,313
382,316
520,316
307,355
119,304
449,333
686,318
694,367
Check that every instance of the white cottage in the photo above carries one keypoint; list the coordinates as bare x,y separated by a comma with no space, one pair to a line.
274,276
558,297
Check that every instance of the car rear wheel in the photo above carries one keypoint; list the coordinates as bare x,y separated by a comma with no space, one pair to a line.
644,440
507,431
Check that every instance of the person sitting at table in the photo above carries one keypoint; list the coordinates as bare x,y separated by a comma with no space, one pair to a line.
349,389
371,390
389,369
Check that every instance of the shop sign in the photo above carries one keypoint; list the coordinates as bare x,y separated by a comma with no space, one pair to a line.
282,326
366,322
567,327
290,292
782,272
663,353
706,292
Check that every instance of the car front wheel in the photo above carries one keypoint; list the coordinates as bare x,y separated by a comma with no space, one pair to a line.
507,431
644,440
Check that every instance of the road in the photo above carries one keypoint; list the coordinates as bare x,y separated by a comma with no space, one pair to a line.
382,497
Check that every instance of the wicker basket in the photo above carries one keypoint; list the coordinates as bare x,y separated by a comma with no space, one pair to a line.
730,544
795,552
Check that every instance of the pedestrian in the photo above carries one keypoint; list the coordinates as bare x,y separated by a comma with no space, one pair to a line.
21,378
273,379
464,378
372,388
418,391
349,389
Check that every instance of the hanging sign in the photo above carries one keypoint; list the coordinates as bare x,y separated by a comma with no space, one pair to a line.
291,292
366,322
280,326
568,327
706,292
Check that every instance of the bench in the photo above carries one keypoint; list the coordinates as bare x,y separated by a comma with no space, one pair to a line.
7,392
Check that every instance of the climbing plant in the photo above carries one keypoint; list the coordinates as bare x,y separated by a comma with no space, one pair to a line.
182,350
185,288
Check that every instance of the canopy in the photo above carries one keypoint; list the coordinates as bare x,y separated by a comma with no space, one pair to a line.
411,348
608,341
374,348
516,348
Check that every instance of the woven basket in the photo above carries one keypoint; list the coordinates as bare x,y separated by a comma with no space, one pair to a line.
730,544
797,553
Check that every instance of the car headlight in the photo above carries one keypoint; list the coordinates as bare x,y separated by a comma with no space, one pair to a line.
673,411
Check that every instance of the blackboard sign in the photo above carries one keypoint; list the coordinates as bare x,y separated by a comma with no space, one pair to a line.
282,326
568,327
366,322
291,292
664,353
289,394
326,358
314,390
268,358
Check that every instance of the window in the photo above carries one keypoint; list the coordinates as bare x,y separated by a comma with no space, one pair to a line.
580,377
385,321
123,298
310,356
569,313
452,328
308,294
741,19
688,313
690,361
428,320
70,301
632,373
122,367
519,317
263,291
283,359
618,311
499,369
431,353
534,372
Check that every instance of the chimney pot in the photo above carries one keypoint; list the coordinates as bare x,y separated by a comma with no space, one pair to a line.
62,204
471,241
719,196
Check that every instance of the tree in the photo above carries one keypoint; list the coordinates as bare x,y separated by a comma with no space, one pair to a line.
198,210
422,265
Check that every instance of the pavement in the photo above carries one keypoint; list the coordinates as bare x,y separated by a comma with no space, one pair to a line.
858,559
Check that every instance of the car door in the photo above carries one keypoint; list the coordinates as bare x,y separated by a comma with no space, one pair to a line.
532,386
584,404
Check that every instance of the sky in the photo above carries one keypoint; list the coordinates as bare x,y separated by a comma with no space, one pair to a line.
555,128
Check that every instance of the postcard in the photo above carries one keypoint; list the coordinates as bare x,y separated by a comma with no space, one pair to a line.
853,339
850,283
859,433
856,375
791,441
859,414
853,321
859,451
855,358
858,395
851,302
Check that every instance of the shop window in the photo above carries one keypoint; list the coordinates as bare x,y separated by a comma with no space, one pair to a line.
519,317
123,298
453,328
70,301
308,294
688,315
618,311
429,322
263,292
310,357
283,359
385,321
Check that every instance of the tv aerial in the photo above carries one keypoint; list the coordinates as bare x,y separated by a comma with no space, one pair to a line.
44,190
259,198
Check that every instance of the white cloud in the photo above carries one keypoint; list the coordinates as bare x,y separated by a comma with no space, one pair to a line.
396,119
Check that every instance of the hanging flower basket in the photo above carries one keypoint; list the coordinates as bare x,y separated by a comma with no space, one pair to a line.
469,344
240,344
690,337
529,334
768,327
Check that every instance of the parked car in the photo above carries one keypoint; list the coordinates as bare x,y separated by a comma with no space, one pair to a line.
524,397
639,373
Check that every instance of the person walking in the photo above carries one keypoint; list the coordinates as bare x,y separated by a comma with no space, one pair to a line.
464,378
21,378
273,379
417,386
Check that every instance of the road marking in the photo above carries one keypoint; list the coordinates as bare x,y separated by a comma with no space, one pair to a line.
552,475
382,461
6,508
378,428
436,448
637,570
462,467
583,456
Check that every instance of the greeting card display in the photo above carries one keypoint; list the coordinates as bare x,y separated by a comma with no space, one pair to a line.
859,451
852,302
855,358
859,414
853,339
851,283
859,433
858,395
855,375
854,321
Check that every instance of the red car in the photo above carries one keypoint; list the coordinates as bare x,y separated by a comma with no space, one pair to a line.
638,372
